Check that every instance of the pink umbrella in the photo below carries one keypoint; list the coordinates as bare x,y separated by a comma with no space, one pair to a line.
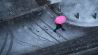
60,19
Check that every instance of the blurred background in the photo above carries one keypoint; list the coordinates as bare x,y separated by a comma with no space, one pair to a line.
26,27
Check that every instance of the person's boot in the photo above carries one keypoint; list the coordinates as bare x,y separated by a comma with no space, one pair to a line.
54,30
63,29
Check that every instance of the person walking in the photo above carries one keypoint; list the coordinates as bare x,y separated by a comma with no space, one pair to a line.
59,21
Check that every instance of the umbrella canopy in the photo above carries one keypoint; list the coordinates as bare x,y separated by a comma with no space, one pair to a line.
60,19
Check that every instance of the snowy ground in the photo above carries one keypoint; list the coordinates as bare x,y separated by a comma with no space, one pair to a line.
29,34
86,10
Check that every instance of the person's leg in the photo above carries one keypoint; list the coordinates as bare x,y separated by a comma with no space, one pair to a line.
62,28
57,27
